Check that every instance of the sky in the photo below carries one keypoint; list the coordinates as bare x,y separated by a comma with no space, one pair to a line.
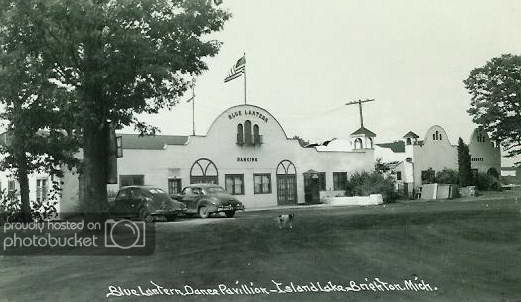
305,59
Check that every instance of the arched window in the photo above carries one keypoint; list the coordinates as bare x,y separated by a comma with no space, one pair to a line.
437,136
370,141
240,134
286,167
247,133
440,138
204,170
286,183
434,136
256,135
409,141
358,143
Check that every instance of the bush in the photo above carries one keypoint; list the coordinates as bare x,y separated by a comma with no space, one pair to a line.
10,210
365,183
486,182
428,176
447,176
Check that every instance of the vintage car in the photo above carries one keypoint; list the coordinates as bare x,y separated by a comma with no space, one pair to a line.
206,199
146,203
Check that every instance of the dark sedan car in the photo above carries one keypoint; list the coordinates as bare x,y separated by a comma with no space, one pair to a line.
145,203
206,199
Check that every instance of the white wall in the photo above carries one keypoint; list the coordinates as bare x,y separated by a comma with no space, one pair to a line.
484,150
436,154
219,145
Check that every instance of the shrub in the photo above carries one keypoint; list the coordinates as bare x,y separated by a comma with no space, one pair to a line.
428,176
10,210
447,176
365,183
486,182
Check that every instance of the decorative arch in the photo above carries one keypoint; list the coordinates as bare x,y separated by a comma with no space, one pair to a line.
204,170
286,167
286,183
358,143
370,140
438,134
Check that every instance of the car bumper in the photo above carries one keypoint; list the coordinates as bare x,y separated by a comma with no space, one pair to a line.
229,208
169,212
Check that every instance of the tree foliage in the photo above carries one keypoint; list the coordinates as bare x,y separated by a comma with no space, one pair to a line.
447,176
34,140
381,167
121,58
495,90
366,183
302,142
464,164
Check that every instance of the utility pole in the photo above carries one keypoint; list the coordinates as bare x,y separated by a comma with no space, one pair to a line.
359,102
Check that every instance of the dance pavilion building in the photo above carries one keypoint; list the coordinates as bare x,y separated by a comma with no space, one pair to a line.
247,152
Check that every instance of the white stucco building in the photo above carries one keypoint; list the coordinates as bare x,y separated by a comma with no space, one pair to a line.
412,159
246,151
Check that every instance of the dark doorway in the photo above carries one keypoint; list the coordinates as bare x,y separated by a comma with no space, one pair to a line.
312,187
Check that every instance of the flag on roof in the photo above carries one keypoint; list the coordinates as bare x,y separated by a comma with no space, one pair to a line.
237,70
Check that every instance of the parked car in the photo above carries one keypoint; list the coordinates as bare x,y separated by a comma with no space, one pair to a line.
145,203
206,199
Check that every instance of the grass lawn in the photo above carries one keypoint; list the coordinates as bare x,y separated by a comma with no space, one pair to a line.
469,251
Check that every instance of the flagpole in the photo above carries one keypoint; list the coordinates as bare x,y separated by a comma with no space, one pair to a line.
245,78
193,106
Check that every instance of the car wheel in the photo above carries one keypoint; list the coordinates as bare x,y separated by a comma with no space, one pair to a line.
229,214
203,212
145,215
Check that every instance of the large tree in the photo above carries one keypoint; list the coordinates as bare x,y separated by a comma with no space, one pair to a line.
495,89
35,140
122,58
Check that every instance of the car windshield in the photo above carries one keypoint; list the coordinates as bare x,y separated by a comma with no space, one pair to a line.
214,190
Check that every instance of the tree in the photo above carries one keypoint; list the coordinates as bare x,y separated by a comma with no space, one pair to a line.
428,176
464,170
447,176
380,167
121,58
30,105
495,90
365,183
302,142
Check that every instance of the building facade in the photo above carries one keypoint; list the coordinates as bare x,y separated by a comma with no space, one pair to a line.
245,150
414,161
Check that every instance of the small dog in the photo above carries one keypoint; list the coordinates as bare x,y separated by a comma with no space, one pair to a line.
286,220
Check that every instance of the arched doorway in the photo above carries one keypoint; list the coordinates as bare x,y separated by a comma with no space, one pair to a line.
204,171
286,183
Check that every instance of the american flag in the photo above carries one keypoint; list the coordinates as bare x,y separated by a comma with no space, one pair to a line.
237,70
